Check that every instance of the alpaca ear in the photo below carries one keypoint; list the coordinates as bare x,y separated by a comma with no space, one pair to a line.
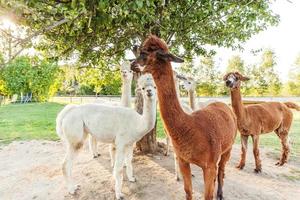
225,76
241,77
136,50
131,60
181,77
168,57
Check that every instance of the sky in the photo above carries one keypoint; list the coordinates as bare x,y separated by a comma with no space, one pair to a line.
284,39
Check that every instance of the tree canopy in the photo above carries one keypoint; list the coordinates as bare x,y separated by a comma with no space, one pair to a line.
100,30
30,75
235,63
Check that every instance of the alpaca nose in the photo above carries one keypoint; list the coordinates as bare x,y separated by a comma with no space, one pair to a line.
149,93
228,82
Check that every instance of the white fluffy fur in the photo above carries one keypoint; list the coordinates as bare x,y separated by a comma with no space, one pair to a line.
110,124
126,76
190,86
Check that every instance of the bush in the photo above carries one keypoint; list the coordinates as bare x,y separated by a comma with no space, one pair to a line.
25,75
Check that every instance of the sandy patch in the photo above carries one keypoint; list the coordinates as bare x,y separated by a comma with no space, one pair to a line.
32,170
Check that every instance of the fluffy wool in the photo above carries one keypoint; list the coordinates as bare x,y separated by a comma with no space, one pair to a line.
257,119
110,124
203,138
126,76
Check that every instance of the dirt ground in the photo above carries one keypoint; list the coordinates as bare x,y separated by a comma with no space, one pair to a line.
32,170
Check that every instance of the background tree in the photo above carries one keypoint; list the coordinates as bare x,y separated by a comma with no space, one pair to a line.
235,63
31,75
294,78
267,81
209,77
103,30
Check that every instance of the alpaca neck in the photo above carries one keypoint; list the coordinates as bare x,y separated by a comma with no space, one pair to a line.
148,116
191,94
177,87
170,108
237,104
126,93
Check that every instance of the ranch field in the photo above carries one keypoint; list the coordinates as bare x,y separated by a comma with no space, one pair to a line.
31,155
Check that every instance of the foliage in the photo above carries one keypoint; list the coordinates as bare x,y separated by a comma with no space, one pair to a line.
294,78
209,78
17,75
101,30
25,75
90,80
42,83
235,63
3,87
1,59
268,82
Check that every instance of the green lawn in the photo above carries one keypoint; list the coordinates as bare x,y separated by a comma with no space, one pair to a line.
37,121
28,121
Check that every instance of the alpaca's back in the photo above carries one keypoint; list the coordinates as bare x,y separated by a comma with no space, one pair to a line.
102,121
267,117
218,123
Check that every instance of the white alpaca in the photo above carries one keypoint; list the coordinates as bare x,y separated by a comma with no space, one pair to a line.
110,124
126,76
190,86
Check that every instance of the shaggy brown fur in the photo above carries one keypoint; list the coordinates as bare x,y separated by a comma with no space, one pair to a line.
257,119
203,138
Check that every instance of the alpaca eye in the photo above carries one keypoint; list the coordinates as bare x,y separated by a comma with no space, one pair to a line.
189,82
154,87
143,88
130,71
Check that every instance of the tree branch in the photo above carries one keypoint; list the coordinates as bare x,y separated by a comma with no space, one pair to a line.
24,41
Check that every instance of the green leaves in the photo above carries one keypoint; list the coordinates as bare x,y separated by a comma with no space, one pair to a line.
115,26
25,75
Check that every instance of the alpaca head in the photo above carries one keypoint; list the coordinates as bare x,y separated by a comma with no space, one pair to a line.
126,72
147,86
189,84
152,55
233,79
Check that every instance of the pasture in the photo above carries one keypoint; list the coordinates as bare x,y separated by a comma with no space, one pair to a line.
37,121
31,154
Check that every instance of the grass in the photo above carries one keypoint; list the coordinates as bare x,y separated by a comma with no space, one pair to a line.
37,121
272,140
28,121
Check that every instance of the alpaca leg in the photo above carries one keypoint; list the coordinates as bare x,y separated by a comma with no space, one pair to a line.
112,153
168,144
210,174
285,148
118,171
177,171
244,142
221,173
185,170
67,170
93,146
255,139
128,163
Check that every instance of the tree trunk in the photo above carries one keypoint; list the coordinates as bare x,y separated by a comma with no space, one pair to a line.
148,143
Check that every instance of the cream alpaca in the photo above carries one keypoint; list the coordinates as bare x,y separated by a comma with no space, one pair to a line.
110,124
126,76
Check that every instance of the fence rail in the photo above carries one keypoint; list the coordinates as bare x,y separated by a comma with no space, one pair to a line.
116,99
225,99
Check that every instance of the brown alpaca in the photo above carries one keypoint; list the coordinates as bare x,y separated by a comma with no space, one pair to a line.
253,120
204,137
